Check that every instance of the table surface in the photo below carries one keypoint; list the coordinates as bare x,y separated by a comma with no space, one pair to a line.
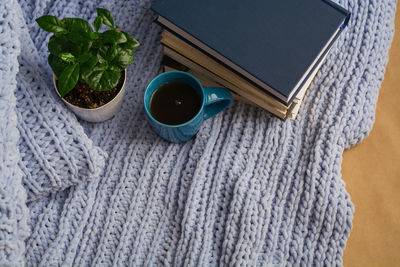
371,171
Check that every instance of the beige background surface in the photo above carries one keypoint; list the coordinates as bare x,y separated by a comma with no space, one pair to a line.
371,171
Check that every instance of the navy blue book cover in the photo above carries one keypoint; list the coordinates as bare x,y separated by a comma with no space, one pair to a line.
275,41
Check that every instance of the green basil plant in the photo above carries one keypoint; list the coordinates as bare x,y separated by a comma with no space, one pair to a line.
77,52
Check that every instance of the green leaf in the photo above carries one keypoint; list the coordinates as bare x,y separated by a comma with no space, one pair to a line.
113,36
80,30
61,44
106,16
94,35
97,23
88,66
132,42
102,53
51,24
128,49
85,57
80,35
68,79
56,45
123,58
101,59
85,47
68,57
111,52
77,22
114,68
57,65
101,79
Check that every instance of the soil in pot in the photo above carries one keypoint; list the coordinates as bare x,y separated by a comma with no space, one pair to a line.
85,97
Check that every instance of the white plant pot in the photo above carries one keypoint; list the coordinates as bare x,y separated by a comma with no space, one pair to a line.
99,114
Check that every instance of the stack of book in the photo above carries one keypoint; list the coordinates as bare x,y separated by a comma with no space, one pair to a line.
265,52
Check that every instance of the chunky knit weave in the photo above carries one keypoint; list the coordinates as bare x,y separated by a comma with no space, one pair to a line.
55,151
13,211
249,189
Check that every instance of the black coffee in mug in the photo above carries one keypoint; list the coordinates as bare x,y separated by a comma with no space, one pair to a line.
175,103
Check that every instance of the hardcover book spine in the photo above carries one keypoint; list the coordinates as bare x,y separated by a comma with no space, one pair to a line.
340,9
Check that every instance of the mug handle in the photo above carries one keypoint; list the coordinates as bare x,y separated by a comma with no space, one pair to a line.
216,100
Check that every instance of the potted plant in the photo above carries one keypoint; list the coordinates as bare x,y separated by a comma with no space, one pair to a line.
89,66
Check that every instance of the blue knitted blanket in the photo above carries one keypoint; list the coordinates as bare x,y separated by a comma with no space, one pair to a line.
249,189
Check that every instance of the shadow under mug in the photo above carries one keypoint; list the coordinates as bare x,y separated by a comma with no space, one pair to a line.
213,101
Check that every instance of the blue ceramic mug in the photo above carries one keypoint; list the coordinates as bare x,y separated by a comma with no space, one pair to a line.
213,101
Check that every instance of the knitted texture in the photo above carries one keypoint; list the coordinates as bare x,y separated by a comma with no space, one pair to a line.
13,211
55,152
249,189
